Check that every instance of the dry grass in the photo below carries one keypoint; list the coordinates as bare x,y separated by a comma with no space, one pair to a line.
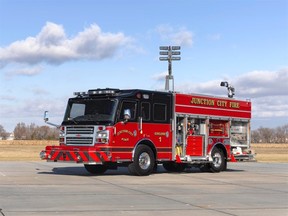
22,150
267,152
28,150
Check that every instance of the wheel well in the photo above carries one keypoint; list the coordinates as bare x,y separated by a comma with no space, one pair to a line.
147,143
222,148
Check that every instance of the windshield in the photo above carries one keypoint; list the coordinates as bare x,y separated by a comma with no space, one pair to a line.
90,111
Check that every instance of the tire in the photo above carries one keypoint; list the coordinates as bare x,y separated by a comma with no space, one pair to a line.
95,169
218,163
174,167
144,161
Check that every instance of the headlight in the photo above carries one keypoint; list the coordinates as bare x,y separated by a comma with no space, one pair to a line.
102,136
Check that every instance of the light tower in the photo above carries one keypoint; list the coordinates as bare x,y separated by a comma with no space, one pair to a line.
169,54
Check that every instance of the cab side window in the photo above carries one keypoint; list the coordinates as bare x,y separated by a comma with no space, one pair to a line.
128,105
160,112
145,111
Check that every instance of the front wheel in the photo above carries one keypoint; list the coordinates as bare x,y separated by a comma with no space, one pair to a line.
218,163
144,161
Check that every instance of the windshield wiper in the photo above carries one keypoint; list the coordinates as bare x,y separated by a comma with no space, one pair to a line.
85,118
72,119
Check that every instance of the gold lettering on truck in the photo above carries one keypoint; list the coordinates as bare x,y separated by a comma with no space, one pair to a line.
234,105
221,103
160,134
217,103
124,131
203,101
125,139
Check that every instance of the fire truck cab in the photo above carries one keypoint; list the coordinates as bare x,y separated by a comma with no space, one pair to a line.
107,128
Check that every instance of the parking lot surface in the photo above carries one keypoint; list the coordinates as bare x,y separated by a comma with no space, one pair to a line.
40,188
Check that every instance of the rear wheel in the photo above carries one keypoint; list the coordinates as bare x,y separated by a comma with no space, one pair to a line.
95,169
144,161
218,163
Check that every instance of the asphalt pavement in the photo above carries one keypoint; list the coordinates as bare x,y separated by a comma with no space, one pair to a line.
41,188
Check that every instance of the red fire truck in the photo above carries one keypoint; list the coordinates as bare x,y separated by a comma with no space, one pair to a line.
107,128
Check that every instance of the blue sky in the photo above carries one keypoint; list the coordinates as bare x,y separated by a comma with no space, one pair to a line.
52,48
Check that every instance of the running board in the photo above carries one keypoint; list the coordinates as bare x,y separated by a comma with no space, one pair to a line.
195,159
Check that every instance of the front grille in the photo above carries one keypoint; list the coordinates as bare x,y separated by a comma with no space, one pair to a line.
79,130
80,135
79,140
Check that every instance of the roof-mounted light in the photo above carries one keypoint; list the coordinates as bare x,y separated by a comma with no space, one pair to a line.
102,91
230,88
80,94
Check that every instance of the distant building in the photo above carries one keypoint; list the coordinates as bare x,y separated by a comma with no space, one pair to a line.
11,136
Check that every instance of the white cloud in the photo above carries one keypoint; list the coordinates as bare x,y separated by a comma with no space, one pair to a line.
160,76
210,87
175,36
30,71
263,83
39,91
270,106
7,98
53,46
31,111
253,84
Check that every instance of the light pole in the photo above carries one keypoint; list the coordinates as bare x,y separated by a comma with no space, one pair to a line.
169,54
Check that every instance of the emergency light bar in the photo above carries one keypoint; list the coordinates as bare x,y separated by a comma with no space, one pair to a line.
80,93
102,91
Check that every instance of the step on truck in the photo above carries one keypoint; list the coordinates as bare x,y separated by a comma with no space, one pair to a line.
107,128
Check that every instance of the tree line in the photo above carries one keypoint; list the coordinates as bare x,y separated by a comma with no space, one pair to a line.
34,132
31,132
270,135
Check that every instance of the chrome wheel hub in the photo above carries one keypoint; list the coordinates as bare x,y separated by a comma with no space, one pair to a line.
144,161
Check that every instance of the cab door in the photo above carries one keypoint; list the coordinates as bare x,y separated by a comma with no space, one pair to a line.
126,133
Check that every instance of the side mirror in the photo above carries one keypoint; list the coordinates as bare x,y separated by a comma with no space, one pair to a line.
127,115
46,118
